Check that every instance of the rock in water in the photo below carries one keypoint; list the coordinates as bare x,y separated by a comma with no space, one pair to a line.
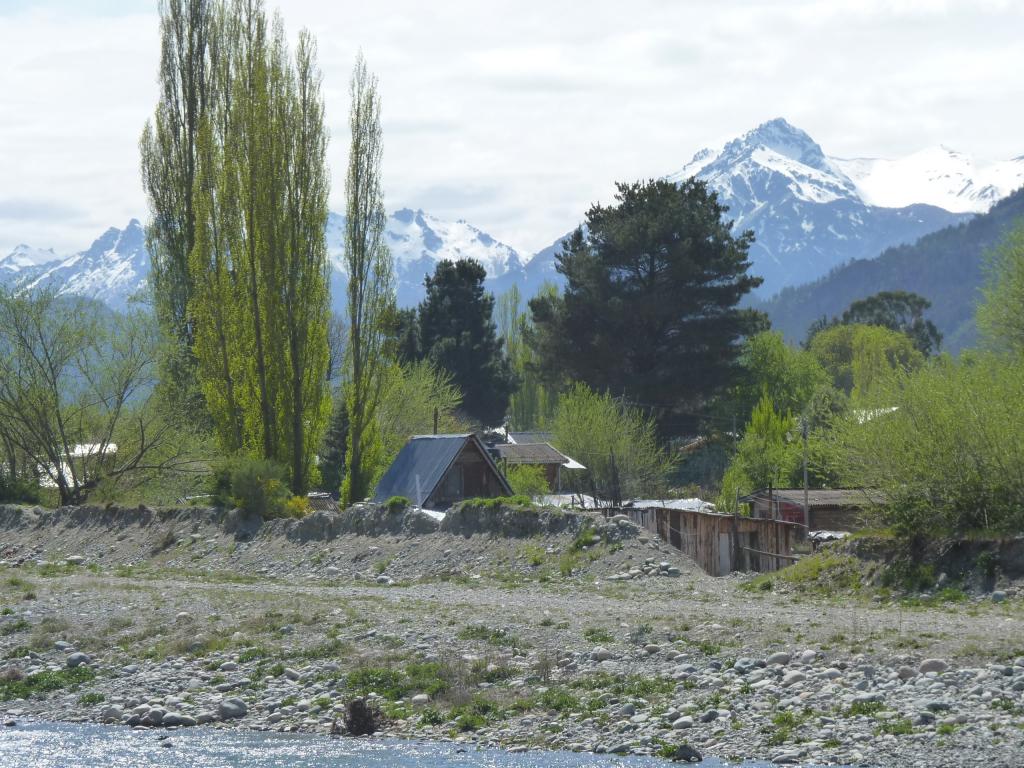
361,718
686,754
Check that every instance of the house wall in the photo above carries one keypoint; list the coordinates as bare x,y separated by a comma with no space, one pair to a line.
469,476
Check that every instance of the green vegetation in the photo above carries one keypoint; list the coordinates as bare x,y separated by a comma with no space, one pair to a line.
617,443
897,726
864,708
597,635
14,687
824,573
527,480
492,635
396,504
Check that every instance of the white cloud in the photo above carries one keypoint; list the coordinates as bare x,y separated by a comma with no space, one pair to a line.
517,115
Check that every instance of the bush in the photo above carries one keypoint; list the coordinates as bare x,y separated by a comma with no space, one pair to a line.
947,454
396,504
256,486
17,491
527,480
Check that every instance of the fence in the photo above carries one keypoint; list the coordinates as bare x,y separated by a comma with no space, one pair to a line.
718,543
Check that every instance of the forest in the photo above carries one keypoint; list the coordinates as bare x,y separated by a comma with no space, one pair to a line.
233,380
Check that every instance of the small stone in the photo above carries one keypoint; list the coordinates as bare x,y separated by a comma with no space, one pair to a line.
75,560
682,723
291,674
420,699
709,716
780,657
78,659
232,709
650,649
932,665
228,666
111,714
172,719
600,654
998,596
627,710
792,678
808,656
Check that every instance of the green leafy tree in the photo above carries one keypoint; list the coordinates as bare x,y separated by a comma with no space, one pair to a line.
858,357
790,377
532,405
458,334
768,455
527,480
76,395
650,310
617,443
900,311
332,452
411,395
1001,313
371,293
949,458
259,307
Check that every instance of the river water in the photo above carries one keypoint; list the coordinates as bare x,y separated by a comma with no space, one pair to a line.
71,745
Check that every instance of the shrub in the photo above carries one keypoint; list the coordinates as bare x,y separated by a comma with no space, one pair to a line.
256,486
527,480
396,504
15,490
297,507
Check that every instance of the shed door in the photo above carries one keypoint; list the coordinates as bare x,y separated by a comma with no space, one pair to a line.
724,554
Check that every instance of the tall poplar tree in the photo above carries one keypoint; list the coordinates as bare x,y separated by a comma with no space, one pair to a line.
371,293
169,150
259,264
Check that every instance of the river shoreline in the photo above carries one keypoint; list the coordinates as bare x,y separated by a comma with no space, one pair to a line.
494,641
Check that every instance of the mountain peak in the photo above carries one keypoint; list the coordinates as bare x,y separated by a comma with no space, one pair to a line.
784,138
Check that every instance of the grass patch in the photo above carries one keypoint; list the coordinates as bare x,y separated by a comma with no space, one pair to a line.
898,726
597,635
825,573
491,635
865,708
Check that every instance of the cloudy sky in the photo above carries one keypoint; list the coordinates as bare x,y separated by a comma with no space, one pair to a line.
517,115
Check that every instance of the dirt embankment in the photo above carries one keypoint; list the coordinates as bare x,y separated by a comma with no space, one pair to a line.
365,541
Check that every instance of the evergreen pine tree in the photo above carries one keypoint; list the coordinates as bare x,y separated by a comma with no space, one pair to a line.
458,334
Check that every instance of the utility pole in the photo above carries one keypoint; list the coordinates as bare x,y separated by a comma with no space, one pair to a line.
807,507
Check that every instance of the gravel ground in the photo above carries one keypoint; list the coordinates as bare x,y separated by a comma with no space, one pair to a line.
167,620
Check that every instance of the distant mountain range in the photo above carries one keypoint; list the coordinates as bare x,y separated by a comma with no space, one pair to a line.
946,267
810,213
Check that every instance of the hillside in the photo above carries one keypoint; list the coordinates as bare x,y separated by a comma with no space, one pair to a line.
945,267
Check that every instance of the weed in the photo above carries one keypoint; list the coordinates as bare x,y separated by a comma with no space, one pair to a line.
18,625
867,708
90,698
597,635
898,726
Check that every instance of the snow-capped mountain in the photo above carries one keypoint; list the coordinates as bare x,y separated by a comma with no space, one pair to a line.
807,213
112,269
418,241
937,176
116,266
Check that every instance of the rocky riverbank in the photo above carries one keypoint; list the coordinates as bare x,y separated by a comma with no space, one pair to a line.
519,641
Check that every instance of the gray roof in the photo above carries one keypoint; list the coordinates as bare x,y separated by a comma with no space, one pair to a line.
530,453
530,437
822,497
427,457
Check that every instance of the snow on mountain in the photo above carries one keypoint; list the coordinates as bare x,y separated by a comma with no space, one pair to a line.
807,213
418,241
116,266
25,257
937,176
